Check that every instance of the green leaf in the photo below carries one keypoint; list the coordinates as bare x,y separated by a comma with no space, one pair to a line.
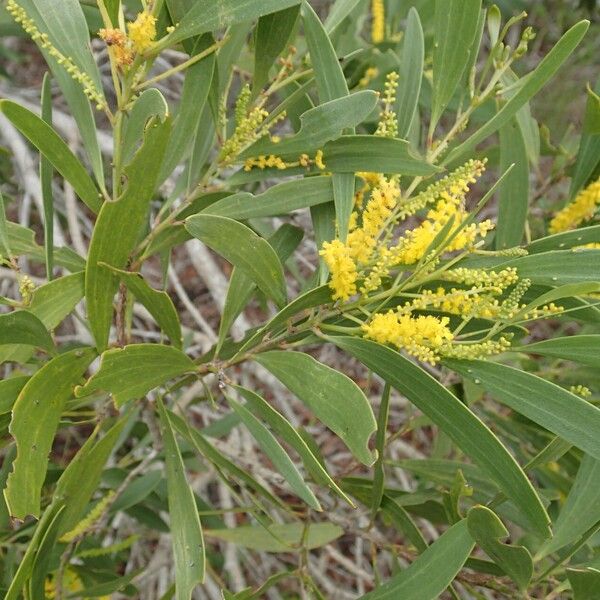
149,105
199,442
209,15
533,83
295,536
588,155
320,125
546,404
339,11
35,418
107,587
378,468
283,428
585,583
241,288
244,249
194,95
9,391
157,302
433,571
118,227
456,420
22,327
46,183
132,371
186,531
411,69
581,511
455,30
272,36
403,521
278,456
48,142
80,480
4,235
513,201
281,199
53,302
567,239
487,530
334,398
584,349
351,153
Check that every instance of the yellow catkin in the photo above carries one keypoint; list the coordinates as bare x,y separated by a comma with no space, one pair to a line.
337,257
378,21
581,209
89,521
142,31
422,336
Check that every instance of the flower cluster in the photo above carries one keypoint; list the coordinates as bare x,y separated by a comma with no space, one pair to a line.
581,209
388,120
43,40
378,22
142,31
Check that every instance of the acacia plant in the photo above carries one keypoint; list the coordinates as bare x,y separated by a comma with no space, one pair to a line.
376,189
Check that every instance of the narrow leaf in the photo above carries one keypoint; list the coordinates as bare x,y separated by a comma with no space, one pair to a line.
46,183
584,349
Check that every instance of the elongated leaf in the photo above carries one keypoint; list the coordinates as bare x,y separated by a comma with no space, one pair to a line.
280,199
513,202
241,288
545,403
431,573
46,183
352,153
134,370
455,29
378,468
584,583
271,447
188,543
209,15
334,398
534,83
203,447
22,327
294,536
582,508
9,391
339,11
48,142
282,427
584,349
194,95
411,68
53,302
107,587
567,239
34,421
487,530
321,124
456,421
157,302
81,478
117,230
272,36
4,235
244,249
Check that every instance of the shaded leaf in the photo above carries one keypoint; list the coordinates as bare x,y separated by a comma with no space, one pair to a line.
22,327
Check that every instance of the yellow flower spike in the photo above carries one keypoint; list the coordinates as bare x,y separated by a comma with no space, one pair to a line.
378,24
581,209
319,160
337,257
142,31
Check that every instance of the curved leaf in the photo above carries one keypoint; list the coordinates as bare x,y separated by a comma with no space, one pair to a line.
52,146
22,327
545,403
134,370
455,420
584,349
333,397
431,572
35,417
244,249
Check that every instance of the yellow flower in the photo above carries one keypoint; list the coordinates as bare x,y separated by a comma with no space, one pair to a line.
378,24
337,257
422,337
142,31
319,160
581,209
